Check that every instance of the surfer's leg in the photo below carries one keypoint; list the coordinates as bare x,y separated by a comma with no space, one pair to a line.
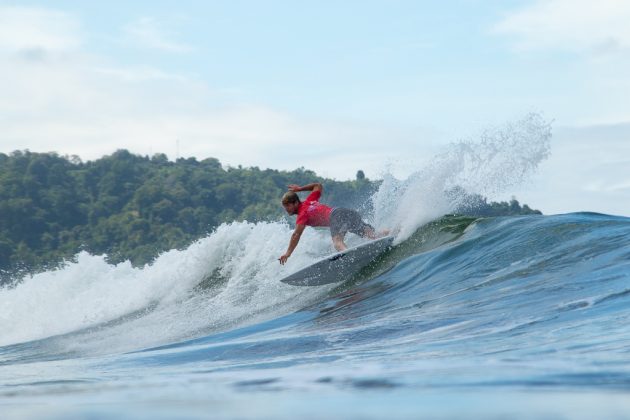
338,228
339,243
368,231
363,229
348,220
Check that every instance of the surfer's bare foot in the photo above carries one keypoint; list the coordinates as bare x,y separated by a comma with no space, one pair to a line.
338,243
370,233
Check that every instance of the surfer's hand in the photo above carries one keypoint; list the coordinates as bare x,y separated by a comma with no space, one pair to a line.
283,259
294,188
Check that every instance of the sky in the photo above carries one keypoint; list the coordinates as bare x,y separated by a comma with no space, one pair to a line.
330,86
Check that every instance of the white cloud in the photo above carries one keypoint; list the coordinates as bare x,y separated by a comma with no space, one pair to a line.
581,50
589,170
574,25
599,186
139,74
24,29
72,102
149,32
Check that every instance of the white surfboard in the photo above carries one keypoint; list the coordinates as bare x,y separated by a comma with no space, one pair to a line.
339,266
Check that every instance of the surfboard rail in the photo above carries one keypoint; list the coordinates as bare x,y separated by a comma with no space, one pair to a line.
340,265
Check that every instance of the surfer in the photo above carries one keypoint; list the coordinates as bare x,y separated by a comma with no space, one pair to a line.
311,212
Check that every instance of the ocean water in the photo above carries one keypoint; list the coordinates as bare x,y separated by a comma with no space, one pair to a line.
526,316
510,317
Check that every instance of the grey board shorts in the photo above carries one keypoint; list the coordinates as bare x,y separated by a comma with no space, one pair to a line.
343,221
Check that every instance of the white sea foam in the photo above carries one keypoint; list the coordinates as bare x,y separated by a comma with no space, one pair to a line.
166,300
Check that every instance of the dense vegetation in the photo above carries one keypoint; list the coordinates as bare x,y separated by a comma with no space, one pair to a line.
133,207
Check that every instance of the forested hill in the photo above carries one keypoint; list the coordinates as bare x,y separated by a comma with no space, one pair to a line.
132,207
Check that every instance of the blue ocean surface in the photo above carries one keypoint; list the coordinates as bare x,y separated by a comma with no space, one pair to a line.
510,317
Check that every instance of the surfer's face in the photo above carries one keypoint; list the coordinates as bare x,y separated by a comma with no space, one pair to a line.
291,208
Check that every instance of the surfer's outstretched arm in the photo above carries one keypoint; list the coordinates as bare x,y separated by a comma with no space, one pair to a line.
295,238
315,186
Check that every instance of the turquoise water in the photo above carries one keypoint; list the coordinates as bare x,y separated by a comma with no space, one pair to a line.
516,317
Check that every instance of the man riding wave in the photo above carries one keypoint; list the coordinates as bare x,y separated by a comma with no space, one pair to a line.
311,212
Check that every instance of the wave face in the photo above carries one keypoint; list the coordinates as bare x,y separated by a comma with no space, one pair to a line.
506,303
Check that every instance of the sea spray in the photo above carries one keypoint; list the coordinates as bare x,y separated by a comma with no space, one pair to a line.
502,157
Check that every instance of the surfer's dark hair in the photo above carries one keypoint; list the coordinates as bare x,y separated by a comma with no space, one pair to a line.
290,197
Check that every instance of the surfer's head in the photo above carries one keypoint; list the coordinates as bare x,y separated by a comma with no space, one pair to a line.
291,202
